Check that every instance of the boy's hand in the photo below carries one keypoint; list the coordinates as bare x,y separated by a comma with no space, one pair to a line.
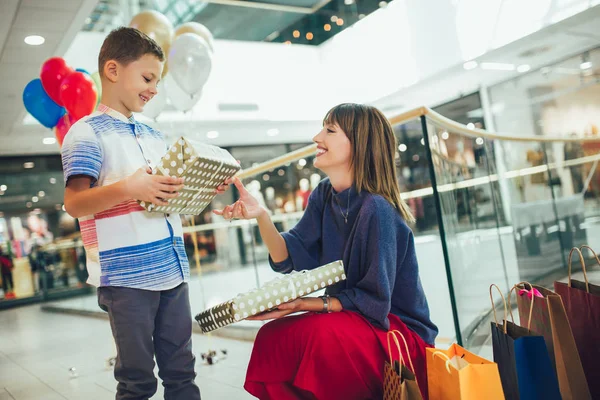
155,189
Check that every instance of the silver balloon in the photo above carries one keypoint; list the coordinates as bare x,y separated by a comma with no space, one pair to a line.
178,97
154,107
190,62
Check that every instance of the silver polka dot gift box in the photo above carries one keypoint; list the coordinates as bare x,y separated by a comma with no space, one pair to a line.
204,168
273,293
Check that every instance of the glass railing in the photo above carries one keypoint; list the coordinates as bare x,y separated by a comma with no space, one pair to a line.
489,208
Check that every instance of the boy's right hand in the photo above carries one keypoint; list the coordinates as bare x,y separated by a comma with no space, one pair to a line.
155,189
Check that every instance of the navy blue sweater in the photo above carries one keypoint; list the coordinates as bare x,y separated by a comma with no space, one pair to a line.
378,251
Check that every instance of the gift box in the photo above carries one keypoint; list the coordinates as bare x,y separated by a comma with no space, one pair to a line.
204,168
273,293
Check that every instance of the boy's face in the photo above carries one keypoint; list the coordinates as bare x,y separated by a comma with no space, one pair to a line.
137,81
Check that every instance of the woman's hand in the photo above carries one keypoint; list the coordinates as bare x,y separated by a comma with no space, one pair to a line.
298,305
247,207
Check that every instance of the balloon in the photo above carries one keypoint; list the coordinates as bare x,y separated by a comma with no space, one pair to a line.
190,62
155,106
155,25
40,105
180,99
78,94
62,128
54,70
198,29
98,83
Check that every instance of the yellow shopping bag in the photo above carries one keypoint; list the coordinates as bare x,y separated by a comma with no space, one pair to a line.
457,374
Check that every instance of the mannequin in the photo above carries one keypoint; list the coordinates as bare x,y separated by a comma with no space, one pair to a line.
302,194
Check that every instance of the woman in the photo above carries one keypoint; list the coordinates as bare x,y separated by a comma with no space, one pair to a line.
355,215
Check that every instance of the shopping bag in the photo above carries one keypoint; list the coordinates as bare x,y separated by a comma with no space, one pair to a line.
457,374
582,304
525,368
549,319
399,382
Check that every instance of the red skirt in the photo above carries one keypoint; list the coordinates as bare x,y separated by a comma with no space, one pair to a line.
327,356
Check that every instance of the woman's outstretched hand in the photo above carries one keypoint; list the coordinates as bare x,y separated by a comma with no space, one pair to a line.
247,207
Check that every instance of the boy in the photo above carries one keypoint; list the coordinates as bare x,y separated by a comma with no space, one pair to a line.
135,258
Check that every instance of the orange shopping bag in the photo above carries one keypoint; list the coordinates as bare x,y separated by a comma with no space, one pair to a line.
457,374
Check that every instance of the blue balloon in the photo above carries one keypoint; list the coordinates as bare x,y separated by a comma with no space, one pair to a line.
84,71
40,105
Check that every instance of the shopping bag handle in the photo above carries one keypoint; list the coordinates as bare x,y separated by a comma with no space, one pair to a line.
530,307
445,356
393,335
583,267
493,285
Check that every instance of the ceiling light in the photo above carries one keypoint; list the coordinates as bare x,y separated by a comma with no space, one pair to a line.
41,193
212,134
302,162
309,36
296,34
35,199
287,42
496,66
49,140
470,125
416,158
334,18
28,165
266,177
348,2
585,65
523,68
469,65
339,22
273,132
445,135
383,4
281,172
402,147
29,204
327,27
3,188
423,142
53,180
35,40
479,141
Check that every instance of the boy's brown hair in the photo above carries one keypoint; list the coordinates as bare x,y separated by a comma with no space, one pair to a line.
126,45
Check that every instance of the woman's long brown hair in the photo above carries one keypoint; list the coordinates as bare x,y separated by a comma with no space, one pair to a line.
373,151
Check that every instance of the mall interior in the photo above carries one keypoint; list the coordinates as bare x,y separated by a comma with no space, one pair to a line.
495,105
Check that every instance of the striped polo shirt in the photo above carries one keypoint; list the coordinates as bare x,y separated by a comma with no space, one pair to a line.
125,245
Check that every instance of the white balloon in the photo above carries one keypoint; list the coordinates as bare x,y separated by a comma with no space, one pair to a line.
154,107
179,99
190,62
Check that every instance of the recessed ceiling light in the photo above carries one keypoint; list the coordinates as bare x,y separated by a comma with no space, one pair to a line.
523,68
383,4
34,40
296,34
327,27
281,172
35,199
469,65
273,132
334,18
266,177
339,22
53,180
348,2
445,135
302,162
479,141
3,188
212,134
309,36
496,66
49,140
28,165
422,142
402,147
416,158
585,65
41,193
470,125
29,204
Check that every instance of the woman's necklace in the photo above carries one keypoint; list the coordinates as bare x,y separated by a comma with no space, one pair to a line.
347,209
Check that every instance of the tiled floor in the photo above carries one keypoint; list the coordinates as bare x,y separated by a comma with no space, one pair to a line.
37,351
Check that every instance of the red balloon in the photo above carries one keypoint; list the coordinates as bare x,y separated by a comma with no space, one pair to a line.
62,128
78,94
54,70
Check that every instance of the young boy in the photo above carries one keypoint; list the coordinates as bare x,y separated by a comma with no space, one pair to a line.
135,258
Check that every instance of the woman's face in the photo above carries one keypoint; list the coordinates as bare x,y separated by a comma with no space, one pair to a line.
334,150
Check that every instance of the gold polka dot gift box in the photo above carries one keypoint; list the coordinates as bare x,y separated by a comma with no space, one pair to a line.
204,168
273,293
